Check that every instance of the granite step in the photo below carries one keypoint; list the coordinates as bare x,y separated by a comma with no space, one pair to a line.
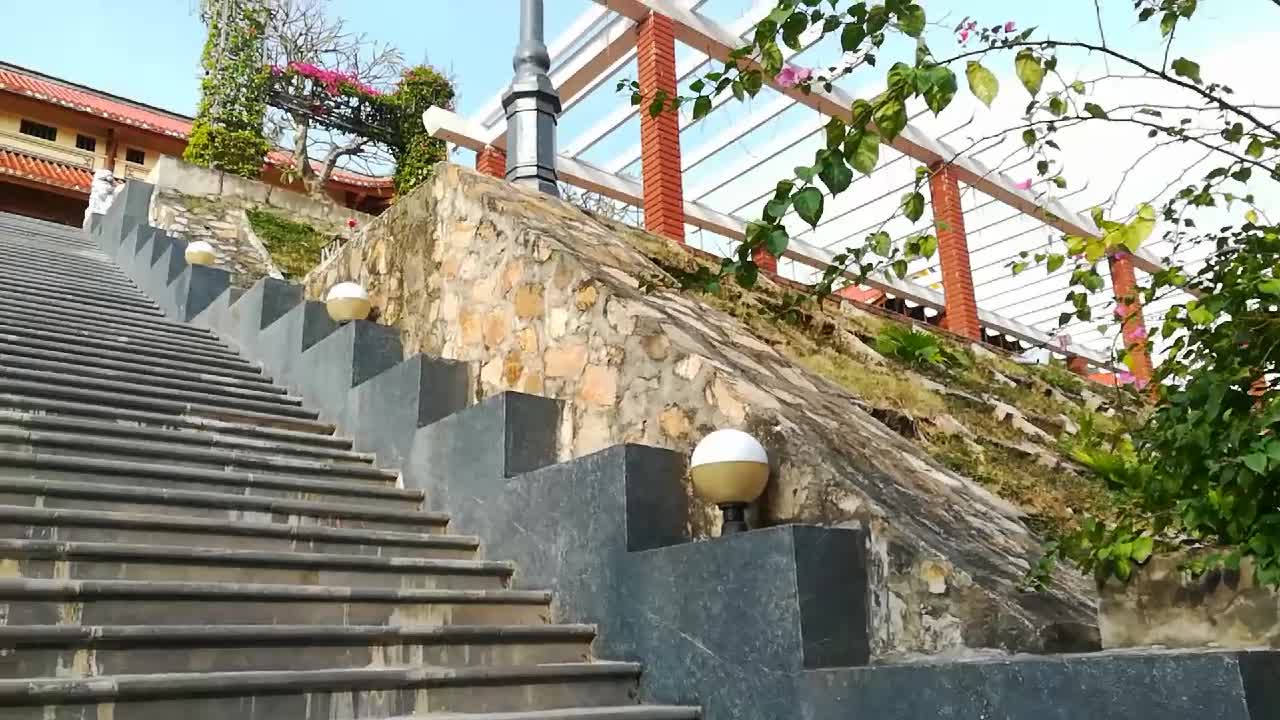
622,712
357,693
90,651
183,372
56,386
188,438
227,506
68,263
37,285
88,342
153,453
74,560
54,301
100,330
309,442
158,323
268,393
124,358
133,602
96,525
21,464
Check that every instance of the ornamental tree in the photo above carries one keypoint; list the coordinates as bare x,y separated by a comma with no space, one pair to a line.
1205,469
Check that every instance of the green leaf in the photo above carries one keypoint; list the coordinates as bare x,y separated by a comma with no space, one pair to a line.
746,274
701,107
777,241
1028,137
940,88
1137,232
881,244
1256,462
866,151
1054,261
835,174
982,83
928,246
890,117
1057,106
808,205
1251,215
804,173
1029,70
777,207
1095,110
913,206
911,19
900,268
1187,69
1270,287
1078,86
1123,568
852,36
1167,22
1198,314
1142,548
1255,148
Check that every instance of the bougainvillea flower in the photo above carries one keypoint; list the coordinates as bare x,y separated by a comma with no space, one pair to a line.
1136,334
1010,26
790,76
1023,184
351,223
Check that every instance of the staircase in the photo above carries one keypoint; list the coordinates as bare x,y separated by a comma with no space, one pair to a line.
182,538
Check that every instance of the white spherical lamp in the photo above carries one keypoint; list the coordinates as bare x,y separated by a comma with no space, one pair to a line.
347,301
200,253
730,468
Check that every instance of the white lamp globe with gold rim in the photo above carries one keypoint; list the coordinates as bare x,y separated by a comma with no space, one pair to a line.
730,469
347,301
200,252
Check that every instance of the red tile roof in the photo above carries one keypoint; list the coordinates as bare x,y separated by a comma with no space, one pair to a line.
49,172
98,104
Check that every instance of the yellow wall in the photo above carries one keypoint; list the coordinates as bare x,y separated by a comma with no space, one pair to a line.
64,148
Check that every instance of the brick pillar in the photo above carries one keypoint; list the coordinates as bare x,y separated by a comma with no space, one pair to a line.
492,161
961,315
1125,284
660,136
1078,365
766,262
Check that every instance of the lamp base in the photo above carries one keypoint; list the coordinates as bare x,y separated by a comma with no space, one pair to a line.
735,518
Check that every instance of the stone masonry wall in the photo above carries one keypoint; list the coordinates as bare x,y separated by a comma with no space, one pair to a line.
544,299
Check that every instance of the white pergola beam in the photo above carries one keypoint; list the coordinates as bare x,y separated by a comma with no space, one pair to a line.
453,128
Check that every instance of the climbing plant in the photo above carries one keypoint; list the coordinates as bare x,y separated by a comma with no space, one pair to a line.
416,152
227,133
1206,468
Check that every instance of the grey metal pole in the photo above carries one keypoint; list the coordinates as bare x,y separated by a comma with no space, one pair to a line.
532,106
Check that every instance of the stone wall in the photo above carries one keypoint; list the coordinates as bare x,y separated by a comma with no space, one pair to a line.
542,298
201,204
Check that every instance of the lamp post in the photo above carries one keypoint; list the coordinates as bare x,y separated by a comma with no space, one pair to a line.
532,106
730,468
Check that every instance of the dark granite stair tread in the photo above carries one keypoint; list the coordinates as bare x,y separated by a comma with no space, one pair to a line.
322,442
132,311
140,636
276,394
99,295
70,311
106,277
39,460
194,436
109,332
175,407
251,373
91,346
72,263
253,382
622,712
204,556
19,514
230,501
90,590
54,690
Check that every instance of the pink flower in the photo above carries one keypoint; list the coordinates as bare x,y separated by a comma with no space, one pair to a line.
1010,26
1136,334
1122,311
1140,383
1023,184
790,76
1124,377
972,25
964,36
351,223
1062,341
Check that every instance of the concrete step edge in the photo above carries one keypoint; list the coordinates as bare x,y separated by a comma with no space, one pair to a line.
103,341
89,346
212,388
155,321
259,383
620,712
90,590
29,282
106,330
251,373
201,636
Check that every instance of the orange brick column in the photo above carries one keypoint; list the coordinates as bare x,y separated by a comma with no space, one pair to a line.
953,250
491,161
1124,282
659,136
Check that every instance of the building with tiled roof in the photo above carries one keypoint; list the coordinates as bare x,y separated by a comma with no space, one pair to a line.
54,134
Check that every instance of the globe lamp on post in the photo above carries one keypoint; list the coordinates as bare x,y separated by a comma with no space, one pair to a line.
199,253
730,469
347,301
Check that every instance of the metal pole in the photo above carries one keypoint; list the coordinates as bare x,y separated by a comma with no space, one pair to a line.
532,106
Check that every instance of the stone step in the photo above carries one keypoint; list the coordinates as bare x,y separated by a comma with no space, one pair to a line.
132,602
309,441
61,252
128,360
96,307
23,464
36,285
89,341
107,331
70,264
268,393
48,560
90,651
181,372
196,438
55,387
356,693
157,323
227,506
39,523
622,712
154,453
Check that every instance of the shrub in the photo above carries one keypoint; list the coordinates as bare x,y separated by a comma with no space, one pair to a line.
294,246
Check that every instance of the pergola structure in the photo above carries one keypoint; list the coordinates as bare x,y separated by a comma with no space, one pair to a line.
968,288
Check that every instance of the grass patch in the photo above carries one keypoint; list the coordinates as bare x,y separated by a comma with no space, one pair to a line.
294,246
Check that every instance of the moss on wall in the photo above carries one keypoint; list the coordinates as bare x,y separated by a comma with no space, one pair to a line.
294,246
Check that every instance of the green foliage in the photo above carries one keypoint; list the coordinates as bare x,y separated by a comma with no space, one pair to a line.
294,246
416,152
227,132
911,346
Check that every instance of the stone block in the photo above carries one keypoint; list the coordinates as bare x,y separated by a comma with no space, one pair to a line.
255,310
383,413
344,358
279,346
